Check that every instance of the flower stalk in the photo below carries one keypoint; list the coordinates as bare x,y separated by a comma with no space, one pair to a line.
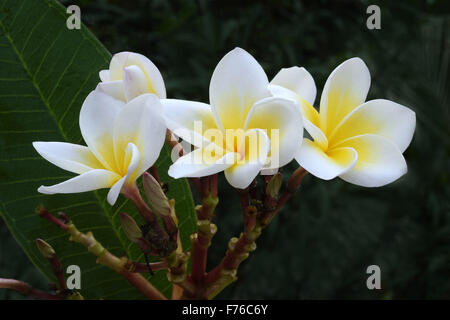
106,258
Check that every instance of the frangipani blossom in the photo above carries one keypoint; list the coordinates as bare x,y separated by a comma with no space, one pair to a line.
361,142
241,104
123,140
130,75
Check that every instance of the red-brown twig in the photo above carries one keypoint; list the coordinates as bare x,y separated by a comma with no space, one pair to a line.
239,248
27,290
106,258
139,267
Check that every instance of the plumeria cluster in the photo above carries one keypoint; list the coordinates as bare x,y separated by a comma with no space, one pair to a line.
251,127
124,121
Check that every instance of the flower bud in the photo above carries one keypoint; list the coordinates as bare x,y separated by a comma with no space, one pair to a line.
130,227
46,249
274,185
155,195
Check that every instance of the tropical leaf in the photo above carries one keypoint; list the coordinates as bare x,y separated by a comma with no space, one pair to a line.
46,71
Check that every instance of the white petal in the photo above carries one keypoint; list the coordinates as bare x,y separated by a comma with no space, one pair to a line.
104,75
345,89
154,78
132,157
282,121
114,192
70,157
237,83
97,115
112,88
379,161
311,120
246,169
140,122
202,162
134,82
325,165
297,80
188,120
88,181
133,163
382,117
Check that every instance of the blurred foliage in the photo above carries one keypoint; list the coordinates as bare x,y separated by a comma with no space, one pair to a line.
320,245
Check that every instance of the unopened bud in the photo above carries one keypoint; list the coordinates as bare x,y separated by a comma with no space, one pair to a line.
46,249
274,185
130,227
155,195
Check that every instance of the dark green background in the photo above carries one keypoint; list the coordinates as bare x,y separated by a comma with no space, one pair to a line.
321,244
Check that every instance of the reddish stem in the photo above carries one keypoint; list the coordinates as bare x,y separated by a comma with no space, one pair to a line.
138,267
27,290
42,212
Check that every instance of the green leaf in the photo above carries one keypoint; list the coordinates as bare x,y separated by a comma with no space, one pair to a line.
46,71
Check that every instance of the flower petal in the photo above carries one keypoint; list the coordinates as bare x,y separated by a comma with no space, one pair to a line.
132,159
154,78
247,168
282,121
88,181
140,122
311,119
189,120
379,161
104,75
345,89
134,82
236,84
297,80
114,192
325,165
97,115
70,157
382,117
112,88
202,162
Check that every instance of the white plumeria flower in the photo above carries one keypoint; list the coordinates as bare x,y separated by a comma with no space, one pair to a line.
361,142
123,140
242,103
130,75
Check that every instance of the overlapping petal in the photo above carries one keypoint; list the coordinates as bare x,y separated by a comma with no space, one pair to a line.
380,161
97,116
282,121
298,80
189,120
311,119
326,164
114,89
237,83
382,117
154,80
203,162
131,163
345,89
139,122
251,161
